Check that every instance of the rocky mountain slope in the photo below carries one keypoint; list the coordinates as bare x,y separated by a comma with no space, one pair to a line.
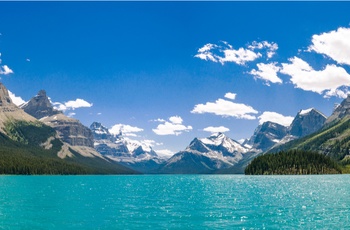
40,106
70,130
333,139
9,112
125,151
270,134
28,146
267,135
206,155
306,122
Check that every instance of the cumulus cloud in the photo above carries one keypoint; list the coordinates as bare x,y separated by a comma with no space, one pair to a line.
126,130
275,117
151,143
220,129
5,70
231,96
334,44
270,46
71,114
328,81
173,126
165,153
176,120
224,52
226,108
71,105
17,100
267,72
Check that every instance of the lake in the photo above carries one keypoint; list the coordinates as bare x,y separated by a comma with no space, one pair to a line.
175,202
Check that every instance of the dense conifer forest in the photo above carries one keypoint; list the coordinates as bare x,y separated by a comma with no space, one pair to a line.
292,162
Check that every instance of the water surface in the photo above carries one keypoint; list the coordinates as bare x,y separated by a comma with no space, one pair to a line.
175,202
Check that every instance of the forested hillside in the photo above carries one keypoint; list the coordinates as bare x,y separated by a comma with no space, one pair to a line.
292,162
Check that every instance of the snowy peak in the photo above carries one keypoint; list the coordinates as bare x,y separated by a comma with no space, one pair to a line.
132,153
216,142
207,155
101,132
214,139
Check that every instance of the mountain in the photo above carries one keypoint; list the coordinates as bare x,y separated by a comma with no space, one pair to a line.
270,134
28,146
333,139
267,135
206,155
9,112
306,122
40,106
131,153
70,130
340,112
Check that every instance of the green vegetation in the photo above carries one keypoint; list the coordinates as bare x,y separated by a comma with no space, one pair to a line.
332,141
22,154
292,162
33,133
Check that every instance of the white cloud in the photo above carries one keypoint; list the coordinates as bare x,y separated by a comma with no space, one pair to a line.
220,129
99,114
226,108
151,143
176,120
126,130
275,117
240,56
71,114
5,70
17,100
267,72
270,46
226,53
231,96
327,81
335,44
165,153
172,127
71,105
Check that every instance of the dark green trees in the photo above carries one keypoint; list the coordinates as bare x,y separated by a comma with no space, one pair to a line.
292,162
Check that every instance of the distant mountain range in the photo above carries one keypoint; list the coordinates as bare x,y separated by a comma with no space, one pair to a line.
130,153
35,130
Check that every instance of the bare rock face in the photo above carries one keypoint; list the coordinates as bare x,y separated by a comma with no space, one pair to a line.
5,100
307,122
267,135
341,111
70,130
40,106
9,111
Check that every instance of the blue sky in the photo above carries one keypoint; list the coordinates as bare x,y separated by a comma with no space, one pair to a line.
161,70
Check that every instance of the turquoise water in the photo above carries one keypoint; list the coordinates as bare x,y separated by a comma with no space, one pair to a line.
175,202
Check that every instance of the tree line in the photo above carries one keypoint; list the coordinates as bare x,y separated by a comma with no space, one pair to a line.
292,162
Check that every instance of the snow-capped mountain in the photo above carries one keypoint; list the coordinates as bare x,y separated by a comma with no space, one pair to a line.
206,155
131,153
